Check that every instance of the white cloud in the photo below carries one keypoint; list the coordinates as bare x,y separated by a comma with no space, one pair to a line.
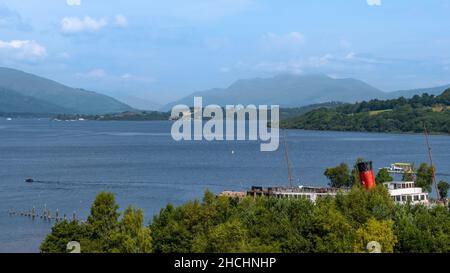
97,73
73,2
76,24
26,50
121,21
135,78
292,66
374,2
126,76
292,40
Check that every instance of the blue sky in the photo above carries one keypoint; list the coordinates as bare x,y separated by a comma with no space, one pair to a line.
162,50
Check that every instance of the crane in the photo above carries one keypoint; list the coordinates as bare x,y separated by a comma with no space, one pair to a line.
286,155
431,161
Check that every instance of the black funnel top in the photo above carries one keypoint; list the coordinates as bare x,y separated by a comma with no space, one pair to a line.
365,166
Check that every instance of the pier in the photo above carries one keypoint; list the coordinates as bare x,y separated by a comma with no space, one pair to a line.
46,215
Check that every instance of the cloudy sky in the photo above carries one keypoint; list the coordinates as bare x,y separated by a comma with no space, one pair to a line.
162,50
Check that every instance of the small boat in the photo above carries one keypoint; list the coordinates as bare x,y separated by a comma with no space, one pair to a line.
29,180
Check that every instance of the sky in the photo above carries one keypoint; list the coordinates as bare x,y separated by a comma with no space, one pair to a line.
164,50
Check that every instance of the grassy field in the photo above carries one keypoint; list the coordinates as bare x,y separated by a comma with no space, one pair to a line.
374,113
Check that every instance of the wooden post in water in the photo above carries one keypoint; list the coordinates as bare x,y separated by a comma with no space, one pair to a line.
33,213
57,215
45,212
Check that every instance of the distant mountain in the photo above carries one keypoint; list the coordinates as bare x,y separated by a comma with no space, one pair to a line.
410,93
287,91
26,93
290,91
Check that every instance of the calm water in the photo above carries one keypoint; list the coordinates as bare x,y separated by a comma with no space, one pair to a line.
144,167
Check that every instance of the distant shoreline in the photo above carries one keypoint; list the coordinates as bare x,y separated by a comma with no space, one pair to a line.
168,121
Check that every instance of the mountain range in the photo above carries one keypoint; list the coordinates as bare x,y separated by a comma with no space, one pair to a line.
296,91
22,92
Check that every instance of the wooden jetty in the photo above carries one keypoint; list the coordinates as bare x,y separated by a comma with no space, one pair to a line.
45,215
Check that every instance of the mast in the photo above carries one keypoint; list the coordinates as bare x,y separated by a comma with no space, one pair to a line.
286,155
431,161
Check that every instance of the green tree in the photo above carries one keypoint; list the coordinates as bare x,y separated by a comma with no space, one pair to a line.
443,187
424,177
332,231
360,205
383,176
62,233
104,216
131,235
339,176
228,237
379,231
422,230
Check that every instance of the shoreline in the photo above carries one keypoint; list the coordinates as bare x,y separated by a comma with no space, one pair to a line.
164,120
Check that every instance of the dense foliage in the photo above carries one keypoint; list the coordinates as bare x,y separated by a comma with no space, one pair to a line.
103,230
339,176
383,176
443,187
346,223
397,115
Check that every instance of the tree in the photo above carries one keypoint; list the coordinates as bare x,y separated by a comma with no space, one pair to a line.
63,233
229,237
104,216
360,205
425,175
408,177
332,231
132,236
339,176
378,231
443,187
383,176
422,230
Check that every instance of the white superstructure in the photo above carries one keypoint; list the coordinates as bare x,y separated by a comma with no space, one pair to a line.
406,192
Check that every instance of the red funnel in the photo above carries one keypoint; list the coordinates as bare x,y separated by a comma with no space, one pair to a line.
366,174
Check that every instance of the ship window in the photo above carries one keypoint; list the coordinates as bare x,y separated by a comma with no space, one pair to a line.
398,198
404,198
422,197
409,198
416,198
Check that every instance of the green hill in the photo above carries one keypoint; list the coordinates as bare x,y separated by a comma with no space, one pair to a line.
26,92
13,102
397,115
